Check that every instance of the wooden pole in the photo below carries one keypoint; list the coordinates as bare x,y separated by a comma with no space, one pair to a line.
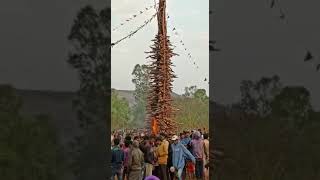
159,107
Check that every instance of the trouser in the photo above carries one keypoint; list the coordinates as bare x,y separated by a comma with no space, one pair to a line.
116,172
156,170
143,171
199,168
149,168
135,175
180,173
125,173
171,174
163,175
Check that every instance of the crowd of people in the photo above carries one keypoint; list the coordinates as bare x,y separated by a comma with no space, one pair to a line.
136,155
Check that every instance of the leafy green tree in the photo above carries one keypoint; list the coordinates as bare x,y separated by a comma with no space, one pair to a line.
189,91
191,113
193,108
120,112
29,147
89,56
201,95
141,81
293,104
257,96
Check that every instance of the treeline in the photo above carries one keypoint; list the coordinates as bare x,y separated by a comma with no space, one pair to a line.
272,133
29,147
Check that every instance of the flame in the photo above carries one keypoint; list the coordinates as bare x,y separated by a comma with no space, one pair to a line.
154,126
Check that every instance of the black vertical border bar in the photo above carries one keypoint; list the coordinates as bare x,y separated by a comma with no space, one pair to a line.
108,108
212,130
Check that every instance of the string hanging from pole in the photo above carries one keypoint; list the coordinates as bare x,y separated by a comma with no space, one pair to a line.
182,43
186,50
135,31
133,17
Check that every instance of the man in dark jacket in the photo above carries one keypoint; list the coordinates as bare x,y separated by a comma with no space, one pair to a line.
146,148
117,160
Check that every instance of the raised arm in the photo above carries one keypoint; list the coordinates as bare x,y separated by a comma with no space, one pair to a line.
188,154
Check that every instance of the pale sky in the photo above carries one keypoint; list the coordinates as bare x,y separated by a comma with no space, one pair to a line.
191,20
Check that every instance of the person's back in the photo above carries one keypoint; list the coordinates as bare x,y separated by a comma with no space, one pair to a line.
117,159
137,159
206,146
148,157
197,147
136,162
198,152
127,153
206,152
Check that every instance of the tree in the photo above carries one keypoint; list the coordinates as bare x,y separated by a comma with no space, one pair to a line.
89,56
257,96
29,147
193,108
189,91
292,104
9,101
191,113
201,95
141,81
120,112
194,92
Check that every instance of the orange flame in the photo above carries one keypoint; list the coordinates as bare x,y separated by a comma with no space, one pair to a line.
154,126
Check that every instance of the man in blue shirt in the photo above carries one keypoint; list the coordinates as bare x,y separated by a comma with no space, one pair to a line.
117,160
185,139
179,155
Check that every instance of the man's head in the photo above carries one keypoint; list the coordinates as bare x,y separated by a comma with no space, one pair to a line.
127,143
135,144
116,141
181,135
175,139
158,140
146,139
152,138
128,138
187,134
205,136
163,135
136,138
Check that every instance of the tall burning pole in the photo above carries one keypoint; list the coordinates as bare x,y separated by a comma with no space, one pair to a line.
159,108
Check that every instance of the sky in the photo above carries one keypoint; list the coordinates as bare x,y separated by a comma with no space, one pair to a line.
256,43
34,45
191,20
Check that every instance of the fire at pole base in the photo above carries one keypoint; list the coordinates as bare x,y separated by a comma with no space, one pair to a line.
159,107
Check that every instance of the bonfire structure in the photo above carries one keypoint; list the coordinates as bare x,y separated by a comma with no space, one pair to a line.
159,107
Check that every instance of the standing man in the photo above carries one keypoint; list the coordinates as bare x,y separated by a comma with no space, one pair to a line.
117,159
162,152
146,148
198,152
136,161
179,155
206,159
127,153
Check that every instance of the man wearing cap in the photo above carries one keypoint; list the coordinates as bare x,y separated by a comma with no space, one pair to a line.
179,155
